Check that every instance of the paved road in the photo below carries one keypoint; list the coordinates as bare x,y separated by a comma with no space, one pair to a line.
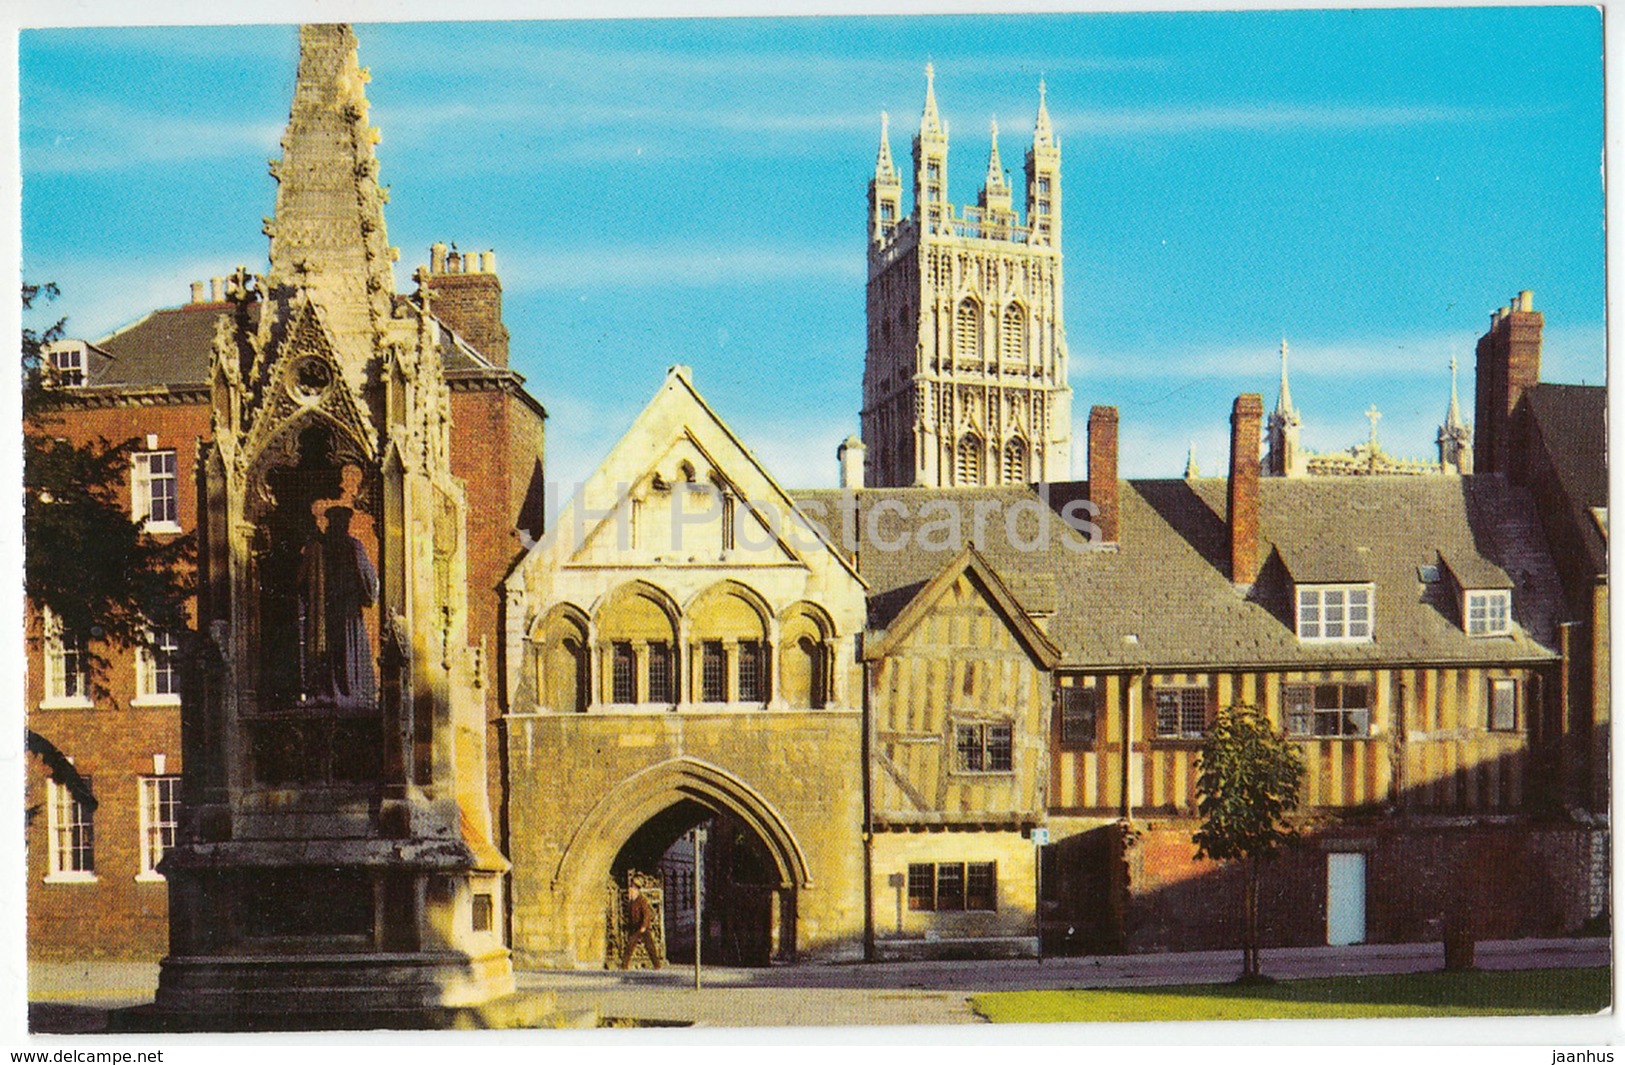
857,994
939,992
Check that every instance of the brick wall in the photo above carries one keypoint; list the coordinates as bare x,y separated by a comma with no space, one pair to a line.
1504,880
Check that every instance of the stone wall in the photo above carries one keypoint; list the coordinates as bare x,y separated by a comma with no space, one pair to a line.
582,784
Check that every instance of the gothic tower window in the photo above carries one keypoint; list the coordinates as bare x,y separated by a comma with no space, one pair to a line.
967,330
1013,332
562,663
968,464
1015,462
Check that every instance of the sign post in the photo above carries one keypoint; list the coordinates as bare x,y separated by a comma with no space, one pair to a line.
699,889
1040,841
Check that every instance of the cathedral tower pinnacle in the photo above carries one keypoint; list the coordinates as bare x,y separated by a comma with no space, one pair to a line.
931,161
885,189
1455,435
1286,457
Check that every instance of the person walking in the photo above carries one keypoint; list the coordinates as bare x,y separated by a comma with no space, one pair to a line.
640,915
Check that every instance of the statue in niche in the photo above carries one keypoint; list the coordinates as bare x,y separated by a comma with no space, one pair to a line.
336,582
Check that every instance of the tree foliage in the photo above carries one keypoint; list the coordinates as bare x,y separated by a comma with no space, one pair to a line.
86,559
1249,785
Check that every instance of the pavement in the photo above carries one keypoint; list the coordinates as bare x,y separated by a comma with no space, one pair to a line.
77,994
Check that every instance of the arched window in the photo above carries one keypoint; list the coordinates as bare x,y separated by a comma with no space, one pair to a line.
1015,461
804,658
637,638
562,663
1013,332
968,464
732,661
968,330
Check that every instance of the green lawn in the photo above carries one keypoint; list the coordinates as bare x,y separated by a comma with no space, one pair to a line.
1435,994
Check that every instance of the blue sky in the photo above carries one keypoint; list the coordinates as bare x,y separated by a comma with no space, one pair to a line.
1371,184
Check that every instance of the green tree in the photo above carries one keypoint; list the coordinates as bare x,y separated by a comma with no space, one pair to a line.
86,559
1250,783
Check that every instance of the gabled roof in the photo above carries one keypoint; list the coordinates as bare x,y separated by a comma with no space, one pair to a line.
1162,598
969,562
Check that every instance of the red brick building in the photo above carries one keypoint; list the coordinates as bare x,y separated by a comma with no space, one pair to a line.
92,887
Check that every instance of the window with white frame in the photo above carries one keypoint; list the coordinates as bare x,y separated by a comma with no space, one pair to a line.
1327,709
67,666
1488,613
73,849
157,670
68,366
154,495
1503,716
1181,712
1335,612
160,810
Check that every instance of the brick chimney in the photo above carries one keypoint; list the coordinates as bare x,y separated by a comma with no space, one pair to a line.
1246,419
468,298
1103,470
1508,364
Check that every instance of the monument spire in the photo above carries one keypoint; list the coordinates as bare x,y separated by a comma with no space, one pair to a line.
1283,399
327,235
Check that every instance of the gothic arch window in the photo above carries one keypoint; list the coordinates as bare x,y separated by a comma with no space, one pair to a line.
563,666
968,460
968,329
637,640
1015,461
805,657
729,645
1013,331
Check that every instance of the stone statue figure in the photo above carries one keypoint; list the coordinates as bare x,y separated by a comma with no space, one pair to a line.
336,580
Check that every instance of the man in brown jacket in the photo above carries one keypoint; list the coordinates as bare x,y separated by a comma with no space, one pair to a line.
639,917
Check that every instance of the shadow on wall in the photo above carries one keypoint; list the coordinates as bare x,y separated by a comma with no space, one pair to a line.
1420,871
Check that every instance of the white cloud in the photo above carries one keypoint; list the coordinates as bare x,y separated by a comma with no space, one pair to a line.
665,265
76,134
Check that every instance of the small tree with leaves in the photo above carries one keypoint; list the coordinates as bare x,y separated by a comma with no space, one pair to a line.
1250,783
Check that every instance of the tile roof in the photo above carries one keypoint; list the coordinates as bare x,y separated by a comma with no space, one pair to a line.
1162,596
1573,422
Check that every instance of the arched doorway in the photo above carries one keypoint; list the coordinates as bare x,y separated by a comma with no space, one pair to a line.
641,825
742,908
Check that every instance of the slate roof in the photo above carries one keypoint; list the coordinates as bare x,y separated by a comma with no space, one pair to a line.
1573,422
1162,597
170,347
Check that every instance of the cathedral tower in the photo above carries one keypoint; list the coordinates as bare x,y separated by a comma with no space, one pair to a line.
1286,456
965,378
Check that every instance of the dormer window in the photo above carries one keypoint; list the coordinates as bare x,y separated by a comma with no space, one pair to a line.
1335,612
67,363
1488,612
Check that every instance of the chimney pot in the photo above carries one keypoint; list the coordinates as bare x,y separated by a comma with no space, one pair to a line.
1526,300
217,289
850,457
197,292
437,258
488,262
1103,471
1246,418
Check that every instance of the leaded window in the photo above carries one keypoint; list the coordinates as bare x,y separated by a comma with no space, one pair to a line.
983,748
1327,709
1181,712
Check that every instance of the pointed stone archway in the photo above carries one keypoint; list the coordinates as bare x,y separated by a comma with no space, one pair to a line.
577,880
